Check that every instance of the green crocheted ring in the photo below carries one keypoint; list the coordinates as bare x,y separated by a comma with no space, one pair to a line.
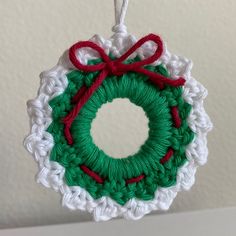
138,176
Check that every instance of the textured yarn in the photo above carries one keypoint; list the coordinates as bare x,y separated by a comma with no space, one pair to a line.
115,67
157,105
40,143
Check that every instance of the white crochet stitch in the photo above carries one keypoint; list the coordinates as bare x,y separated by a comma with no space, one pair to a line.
40,143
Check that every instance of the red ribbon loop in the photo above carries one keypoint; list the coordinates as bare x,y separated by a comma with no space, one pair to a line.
113,67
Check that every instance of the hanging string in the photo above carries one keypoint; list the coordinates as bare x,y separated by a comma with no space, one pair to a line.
120,13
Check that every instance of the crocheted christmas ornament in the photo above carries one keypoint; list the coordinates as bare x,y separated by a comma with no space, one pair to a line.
92,73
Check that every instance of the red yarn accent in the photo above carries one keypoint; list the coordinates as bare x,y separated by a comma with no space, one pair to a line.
100,180
135,180
175,116
114,67
92,174
79,94
167,157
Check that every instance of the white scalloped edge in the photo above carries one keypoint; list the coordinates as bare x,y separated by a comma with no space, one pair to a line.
40,143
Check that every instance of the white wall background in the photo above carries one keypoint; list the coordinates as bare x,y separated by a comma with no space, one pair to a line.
34,33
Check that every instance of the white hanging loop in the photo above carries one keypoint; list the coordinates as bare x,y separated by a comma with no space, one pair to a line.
120,13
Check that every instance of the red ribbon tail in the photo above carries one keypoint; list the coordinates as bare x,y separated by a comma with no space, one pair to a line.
79,94
68,135
83,98
159,79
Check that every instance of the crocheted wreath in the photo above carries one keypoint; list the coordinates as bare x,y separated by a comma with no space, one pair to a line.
92,73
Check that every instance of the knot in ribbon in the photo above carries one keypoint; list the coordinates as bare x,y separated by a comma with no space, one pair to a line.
113,67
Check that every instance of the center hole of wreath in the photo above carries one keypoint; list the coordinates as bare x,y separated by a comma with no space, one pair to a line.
120,128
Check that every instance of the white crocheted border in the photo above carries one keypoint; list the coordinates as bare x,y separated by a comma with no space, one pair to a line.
40,143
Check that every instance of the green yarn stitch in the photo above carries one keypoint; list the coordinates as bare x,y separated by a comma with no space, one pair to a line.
162,135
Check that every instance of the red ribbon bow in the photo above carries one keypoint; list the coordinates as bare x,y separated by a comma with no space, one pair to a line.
113,67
